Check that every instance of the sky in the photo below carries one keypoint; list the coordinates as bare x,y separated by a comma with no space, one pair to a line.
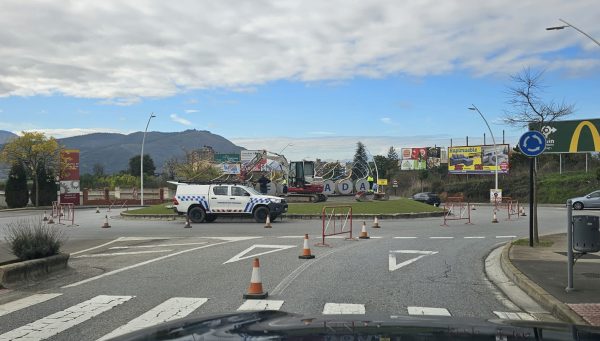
306,78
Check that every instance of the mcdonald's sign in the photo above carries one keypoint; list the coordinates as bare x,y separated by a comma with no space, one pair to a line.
577,136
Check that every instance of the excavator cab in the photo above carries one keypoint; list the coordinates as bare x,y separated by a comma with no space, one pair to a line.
302,180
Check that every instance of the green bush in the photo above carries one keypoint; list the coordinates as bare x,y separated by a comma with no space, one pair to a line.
32,238
16,191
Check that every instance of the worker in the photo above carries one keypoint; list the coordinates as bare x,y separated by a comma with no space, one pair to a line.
370,180
263,181
285,187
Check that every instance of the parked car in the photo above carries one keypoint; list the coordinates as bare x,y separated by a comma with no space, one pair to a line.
591,200
428,198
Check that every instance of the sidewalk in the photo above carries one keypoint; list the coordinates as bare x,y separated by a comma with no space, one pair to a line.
542,273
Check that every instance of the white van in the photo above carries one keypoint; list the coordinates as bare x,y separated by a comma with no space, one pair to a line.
204,203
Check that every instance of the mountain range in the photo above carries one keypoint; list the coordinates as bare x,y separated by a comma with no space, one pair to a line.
113,151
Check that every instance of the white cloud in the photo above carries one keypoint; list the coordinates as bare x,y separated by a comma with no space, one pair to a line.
386,120
191,111
180,120
69,132
160,48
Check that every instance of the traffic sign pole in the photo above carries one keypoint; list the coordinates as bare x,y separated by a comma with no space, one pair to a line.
531,199
532,144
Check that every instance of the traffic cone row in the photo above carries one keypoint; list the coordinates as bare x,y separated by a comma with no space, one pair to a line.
494,218
255,290
306,250
105,225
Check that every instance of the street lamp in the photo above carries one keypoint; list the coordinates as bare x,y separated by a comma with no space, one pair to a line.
142,162
474,108
569,25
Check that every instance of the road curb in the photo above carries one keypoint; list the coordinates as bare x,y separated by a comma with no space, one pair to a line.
15,273
541,296
294,216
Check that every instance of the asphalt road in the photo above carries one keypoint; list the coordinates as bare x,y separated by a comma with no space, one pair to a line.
121,274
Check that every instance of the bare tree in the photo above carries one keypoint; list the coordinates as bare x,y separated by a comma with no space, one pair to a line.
530,109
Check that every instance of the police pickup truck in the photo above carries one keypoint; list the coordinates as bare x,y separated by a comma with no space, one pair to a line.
204,203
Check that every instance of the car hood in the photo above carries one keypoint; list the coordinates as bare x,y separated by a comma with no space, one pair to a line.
578,198
277,325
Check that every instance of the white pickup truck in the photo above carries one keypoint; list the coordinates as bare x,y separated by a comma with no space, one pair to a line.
204,203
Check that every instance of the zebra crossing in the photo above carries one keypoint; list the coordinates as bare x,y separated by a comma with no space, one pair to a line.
171,309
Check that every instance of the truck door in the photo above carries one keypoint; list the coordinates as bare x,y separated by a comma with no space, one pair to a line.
239,199
219,199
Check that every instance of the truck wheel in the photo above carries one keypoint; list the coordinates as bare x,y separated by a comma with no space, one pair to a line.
260,214
197,214
210,218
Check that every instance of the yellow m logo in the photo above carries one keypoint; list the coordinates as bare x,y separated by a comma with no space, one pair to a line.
577,133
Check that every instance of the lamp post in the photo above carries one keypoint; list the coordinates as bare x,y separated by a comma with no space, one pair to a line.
474,108
142,162
569,25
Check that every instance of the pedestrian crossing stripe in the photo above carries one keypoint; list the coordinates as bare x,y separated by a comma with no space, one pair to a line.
171,309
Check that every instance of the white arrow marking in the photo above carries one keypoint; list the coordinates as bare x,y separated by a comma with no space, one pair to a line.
392,258
244,254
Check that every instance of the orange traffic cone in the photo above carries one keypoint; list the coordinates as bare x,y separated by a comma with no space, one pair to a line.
105,226
363,232
187,225
255,290
50,220
375,223
306,250
62,212
494,218
45,217
268,222
473,207
97,209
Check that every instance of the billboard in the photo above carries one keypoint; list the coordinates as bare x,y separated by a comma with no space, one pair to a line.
232,157
434,157
248,155
418,153
229,168
413,164
478,159
578,136
69,177
405,153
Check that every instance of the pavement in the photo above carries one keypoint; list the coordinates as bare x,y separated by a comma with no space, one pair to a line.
542,273
148,270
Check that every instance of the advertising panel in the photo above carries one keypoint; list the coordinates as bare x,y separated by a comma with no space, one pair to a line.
434,155
233,157
419,153
406,153
577,136
230,168
478,159
248,155
69,178
413,165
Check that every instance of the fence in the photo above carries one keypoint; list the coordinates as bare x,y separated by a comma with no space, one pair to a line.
455,208
336,220
66,214
124,197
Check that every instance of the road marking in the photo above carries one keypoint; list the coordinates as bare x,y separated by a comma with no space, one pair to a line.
171,309
428,311
95,247
514,316
151,246
135,239
405,237
243,255
133,266
121,253
393,266
22,303
376,237
302,237
252,305
476,237
343,309
506,236
58,322
441,237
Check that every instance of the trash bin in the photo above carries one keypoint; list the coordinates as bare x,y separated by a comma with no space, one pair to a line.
586,233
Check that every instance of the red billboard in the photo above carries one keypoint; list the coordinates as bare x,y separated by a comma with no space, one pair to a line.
69,177
418,153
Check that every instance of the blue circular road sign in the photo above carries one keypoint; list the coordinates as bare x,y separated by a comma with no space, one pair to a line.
532,143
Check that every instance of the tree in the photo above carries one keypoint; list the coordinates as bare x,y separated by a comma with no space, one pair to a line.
200,170
16,191
134,165
47,187
382,165
32,150
529,109
98,169
392,160
423,175
360,165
